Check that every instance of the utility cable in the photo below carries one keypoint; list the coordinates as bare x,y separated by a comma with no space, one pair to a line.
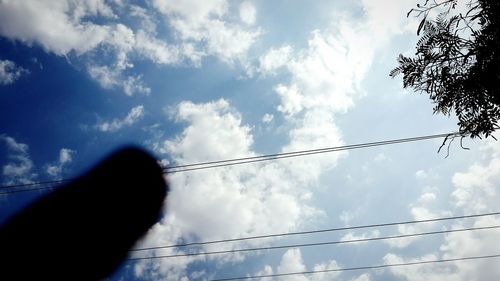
362,267
34,183
317,244
276,156
238,161
318,231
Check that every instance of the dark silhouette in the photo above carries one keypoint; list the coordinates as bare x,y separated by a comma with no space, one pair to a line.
84,230
457,63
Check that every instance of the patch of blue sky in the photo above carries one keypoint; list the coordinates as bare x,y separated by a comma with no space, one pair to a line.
59,105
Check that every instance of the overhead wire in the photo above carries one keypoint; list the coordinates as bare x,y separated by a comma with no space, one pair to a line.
360,240
299,153
359,268
34,183
318,231
269,157
237,161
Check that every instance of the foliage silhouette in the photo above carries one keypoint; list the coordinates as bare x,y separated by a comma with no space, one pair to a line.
457,62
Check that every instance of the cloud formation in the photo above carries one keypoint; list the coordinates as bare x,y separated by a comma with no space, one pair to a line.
291,262
20,167
475,191
134,115
227,202
65,157
81,27
10,72
324,81
202,27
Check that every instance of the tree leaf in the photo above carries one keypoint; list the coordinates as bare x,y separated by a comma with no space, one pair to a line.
421,25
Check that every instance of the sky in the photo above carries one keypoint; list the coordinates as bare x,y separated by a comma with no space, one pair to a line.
195,81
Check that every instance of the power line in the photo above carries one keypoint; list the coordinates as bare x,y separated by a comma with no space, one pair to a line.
318,243
318,231
276,156
27,189
362,267
34,183
239,161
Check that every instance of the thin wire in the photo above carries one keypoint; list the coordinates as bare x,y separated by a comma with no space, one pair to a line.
244,160
318,244
268,157
362,267
34,183
27,189
318,231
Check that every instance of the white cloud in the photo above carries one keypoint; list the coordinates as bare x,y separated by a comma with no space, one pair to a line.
80,27
10,72
62,27
248,12
134,84
109,78
148,22
267,118
57,26
327,75
202,26
65,157
157,50
437,272
135,114
427,197
256,199
325,79
353,236
387,17
421,174
419,212
274,59
363,277
476,191
106,77
292,262
192,10
20,167
233,139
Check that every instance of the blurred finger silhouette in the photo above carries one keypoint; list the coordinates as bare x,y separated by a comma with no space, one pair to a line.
84,229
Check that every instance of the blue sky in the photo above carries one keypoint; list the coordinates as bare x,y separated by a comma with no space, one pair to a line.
197,81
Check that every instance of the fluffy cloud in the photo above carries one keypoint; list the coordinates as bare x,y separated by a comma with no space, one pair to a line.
10,72
274,59
353,236
135,114
227,202
267,118
109,78
291,261
475,191
65,157
157,50
81,27
418,212
202,27
325,79
272,197
247,12
327,75
20,167
56,25
388,17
